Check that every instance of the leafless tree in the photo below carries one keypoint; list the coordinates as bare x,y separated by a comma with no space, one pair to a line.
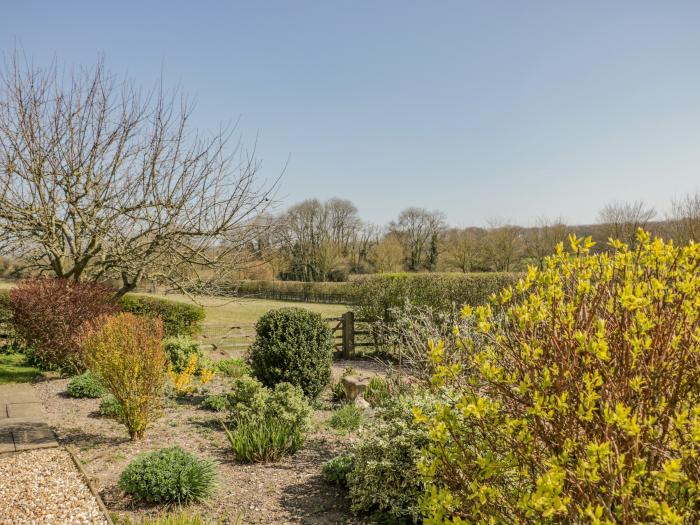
99,180
684,219
542,240
419,230
388,255
621,220
503,244
464,249
318,238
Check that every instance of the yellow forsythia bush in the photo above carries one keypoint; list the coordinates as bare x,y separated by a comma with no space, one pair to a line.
126,352
576,397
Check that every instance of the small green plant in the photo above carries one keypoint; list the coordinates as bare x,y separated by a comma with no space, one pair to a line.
110,407
263,440
86,385
216,403
377,392
251,401
180,350
293,345
338,390
168,475
337,469
347,418
233,368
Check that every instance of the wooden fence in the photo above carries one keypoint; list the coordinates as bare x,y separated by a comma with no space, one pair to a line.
348,334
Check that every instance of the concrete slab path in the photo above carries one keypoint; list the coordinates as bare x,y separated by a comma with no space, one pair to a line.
23,420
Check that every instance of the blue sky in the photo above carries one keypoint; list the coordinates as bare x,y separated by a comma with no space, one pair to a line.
480,109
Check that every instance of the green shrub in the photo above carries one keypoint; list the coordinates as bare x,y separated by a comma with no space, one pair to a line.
264,439
168,475
578,395
110,407
384,478
295,346
347,418
233,368
377,392
250,401
337,469
178,318
180,349
87,385
216,403
338,390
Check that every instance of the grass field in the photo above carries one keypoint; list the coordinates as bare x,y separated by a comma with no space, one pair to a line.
245,311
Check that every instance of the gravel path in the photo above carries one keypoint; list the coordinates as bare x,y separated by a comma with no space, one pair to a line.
43,487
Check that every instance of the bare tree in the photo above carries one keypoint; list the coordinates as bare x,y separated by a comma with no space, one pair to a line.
464,249
684,219
419,230
621,220
542,240
503,245
101,181
388,255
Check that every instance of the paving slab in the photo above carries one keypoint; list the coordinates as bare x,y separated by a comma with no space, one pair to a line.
7,442
26,410
17,393
23,420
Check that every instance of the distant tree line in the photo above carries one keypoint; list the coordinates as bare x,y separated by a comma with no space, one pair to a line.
328,241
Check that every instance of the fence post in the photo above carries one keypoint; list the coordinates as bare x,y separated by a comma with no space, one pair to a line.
348,334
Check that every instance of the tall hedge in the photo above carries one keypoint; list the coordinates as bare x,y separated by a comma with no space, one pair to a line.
312,292
178,318
376,295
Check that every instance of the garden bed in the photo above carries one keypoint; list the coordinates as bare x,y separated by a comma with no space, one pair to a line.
290,491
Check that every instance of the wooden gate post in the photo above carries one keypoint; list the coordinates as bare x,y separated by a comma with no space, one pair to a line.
348,334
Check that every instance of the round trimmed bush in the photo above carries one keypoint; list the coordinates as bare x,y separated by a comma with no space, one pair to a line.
168,475
86,385
295,346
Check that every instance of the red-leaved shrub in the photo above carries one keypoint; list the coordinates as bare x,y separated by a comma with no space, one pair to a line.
48,315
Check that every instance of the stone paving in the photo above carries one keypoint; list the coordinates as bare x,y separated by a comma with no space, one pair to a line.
23,420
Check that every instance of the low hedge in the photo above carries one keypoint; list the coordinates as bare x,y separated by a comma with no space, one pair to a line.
178,318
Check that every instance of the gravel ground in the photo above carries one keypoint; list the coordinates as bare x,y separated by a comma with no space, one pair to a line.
44,487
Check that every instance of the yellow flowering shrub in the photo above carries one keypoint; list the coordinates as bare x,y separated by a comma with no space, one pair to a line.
183,381
126,352
577,398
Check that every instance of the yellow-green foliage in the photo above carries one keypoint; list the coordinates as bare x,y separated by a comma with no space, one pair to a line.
126,352
577,395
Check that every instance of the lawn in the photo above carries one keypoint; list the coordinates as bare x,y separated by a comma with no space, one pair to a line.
13,369
245,311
